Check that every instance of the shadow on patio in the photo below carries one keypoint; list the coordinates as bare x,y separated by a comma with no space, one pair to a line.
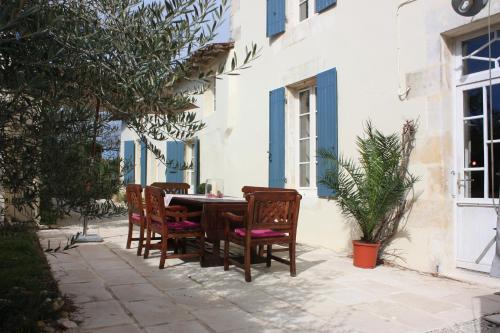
118,291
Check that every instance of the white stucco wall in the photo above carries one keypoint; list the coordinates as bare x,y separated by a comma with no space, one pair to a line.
378,51
365,41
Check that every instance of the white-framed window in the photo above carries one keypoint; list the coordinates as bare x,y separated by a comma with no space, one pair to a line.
475,160
191,157
305,119
188,159
303,9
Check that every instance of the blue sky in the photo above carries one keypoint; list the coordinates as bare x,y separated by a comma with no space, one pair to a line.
223,33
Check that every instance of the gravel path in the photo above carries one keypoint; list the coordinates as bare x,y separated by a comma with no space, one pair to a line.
474,326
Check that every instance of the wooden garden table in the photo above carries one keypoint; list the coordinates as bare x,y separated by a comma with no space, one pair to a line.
211,219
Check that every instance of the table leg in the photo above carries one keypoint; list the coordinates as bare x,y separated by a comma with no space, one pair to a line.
216,248
213,258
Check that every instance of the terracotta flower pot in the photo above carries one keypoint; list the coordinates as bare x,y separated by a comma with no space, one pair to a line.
365,254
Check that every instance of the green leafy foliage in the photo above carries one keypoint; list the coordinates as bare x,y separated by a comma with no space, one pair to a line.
71,67
373,191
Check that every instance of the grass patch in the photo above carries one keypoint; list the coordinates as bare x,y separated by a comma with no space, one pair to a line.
27,288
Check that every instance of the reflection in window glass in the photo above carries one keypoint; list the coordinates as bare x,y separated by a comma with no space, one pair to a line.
473,66
304,101
496,153
304,9
304,150
473,44
496,111
478,48
304,175
304,138
304,126
473,143
473,184
484,52
473,102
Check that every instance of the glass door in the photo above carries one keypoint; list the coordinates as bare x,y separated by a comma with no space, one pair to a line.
476,194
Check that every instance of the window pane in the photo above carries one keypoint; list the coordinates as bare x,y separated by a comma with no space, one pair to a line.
473,184
304,175
304,10
304,126
496,111
473,102
496,153
304,101
304,151
474,65
474,44
473,143
495,51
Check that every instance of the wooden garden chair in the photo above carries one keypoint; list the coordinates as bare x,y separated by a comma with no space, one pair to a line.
173,225
173,188
136,215
271,218
251,189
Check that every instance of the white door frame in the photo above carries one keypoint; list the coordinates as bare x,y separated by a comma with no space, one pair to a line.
483,206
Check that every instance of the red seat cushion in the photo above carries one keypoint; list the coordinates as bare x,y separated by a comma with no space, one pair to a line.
259,233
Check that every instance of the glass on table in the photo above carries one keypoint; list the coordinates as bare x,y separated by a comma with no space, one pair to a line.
214,188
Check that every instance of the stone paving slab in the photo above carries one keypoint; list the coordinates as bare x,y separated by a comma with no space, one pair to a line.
117,291
102,314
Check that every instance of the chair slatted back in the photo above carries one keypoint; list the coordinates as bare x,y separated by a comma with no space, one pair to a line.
173,188
155,204
134,199
277,210
251,189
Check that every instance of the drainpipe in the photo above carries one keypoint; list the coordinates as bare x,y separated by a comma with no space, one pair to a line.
402,92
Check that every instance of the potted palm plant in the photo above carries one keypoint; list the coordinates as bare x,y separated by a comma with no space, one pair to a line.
375,192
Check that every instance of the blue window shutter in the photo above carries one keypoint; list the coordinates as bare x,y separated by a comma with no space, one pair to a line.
322,5
129,162
277,138
196,165
175,154
275,17
144,164
326,121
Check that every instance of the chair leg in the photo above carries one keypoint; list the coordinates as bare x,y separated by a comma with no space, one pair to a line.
248,257
269,253
183,245
163,256
226,254
141,240
148,243
261,250
176,246
202,247
291,250
129,237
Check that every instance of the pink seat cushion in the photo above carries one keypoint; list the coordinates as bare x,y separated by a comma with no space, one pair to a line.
183,225
136,216
260,233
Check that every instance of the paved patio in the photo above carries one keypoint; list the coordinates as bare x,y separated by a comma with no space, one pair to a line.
116,291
